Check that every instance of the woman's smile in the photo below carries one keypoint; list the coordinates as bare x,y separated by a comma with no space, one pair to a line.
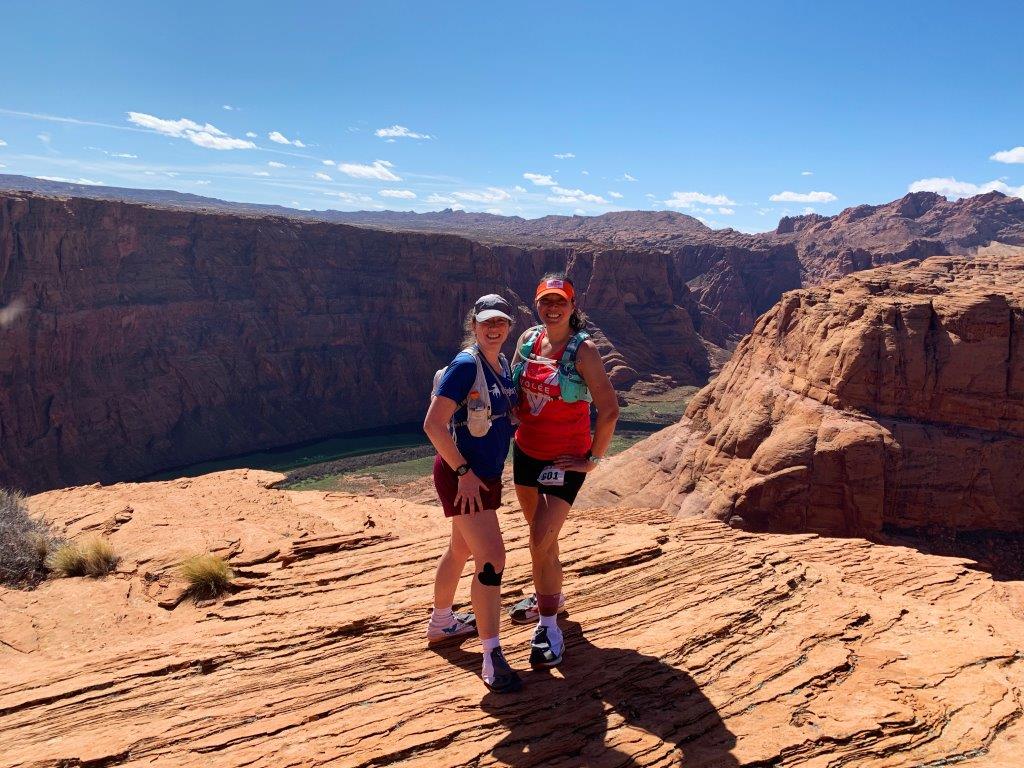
553,309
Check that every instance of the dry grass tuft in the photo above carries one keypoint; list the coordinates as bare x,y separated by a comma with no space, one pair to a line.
93,557
99,557
25,542
207,575
68,560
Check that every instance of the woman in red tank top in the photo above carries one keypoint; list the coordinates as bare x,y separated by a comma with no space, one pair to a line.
553,448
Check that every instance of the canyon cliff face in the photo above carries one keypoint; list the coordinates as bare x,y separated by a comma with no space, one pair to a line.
891,400
738,276
137,339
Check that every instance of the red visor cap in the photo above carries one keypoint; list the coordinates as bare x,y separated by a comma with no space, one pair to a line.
554,285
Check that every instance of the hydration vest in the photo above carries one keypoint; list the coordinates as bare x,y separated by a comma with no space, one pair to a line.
479,420
570,383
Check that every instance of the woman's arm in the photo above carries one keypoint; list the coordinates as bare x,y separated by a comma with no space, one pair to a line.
439,414
436,426
591,368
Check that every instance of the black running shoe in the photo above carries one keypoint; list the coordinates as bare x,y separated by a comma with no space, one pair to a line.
542,653
505,678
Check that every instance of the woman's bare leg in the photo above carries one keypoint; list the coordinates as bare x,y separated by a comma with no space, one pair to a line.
544,530
449,570
482,535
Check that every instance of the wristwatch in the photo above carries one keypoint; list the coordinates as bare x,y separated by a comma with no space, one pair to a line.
594,459
462,470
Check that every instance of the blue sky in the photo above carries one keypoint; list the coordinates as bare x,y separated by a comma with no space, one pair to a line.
734,112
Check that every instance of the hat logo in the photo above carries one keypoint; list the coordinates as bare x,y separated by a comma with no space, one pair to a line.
556,284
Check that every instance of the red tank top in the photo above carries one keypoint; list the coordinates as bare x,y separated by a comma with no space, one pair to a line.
548,426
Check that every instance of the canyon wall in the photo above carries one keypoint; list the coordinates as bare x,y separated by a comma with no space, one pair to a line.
889,400
135,338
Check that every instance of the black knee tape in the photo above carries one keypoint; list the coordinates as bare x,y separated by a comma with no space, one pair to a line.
489,577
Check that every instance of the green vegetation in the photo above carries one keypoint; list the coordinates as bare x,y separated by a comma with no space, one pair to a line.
207,575
657,410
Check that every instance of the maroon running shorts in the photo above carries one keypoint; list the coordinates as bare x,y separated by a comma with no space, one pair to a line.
447,484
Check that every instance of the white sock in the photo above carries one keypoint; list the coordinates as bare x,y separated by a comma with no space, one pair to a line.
490,643
554,633
442,617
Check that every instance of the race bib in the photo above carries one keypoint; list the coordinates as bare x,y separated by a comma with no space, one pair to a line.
551,476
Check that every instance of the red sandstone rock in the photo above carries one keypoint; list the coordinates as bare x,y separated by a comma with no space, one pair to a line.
133,338
889,400
152,338
753,649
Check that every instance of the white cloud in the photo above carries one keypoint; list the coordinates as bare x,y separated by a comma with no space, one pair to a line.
565,155
228,107
628,177
807,210
206,135
279,138
495,211
44,137
1015,155
3,143
402,194
379,170
89,182
806,173
950,187
251,134
803,197
124,155
322,176
519,189
275,164
489,195
261,173
726,211
327,162
350,197
687,199
444,199
649,194
563,195
540,179
2,165
400,132
763,211
579,212
201,182
585,173
616,195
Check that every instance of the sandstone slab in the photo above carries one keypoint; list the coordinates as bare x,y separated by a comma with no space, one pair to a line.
689,644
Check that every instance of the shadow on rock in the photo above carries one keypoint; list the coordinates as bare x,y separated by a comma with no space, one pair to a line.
564,718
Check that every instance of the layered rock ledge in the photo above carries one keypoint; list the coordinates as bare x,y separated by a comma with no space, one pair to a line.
892,399
689,644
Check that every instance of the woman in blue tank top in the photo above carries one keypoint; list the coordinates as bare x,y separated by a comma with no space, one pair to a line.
472,445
